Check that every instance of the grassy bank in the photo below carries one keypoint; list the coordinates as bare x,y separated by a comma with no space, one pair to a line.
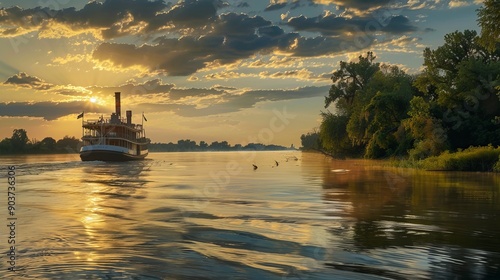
484,159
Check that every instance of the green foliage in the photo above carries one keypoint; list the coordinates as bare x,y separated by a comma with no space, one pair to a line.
459,85
471,159
310,141
332,133
371,101
333,136
451,105
19,140
496,167
349,79
428,134
48,144
67,145
5,146
19,143
385,111
488,19
187,145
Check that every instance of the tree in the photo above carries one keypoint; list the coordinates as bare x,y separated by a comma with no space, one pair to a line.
310,141
333,136
372,100
203,145
426,131
186,145
459,80
443,65
219,146
488,19
68,144
48,144
5,146
19,140
378,111
350,79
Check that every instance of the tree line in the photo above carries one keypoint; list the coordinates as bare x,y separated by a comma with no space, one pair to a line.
381,111
19,143
187,145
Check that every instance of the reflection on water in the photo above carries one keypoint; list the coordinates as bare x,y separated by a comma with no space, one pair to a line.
211,216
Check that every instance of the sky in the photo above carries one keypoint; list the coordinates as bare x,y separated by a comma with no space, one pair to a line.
241,71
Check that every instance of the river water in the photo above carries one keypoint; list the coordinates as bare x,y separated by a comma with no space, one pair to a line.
210,215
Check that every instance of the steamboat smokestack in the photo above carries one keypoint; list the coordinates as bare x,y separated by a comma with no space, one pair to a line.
129,117
117,104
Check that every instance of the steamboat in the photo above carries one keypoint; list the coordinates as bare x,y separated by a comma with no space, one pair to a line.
114,138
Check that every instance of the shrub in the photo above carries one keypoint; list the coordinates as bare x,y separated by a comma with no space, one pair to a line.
471,159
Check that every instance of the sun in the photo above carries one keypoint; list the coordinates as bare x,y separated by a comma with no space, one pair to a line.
93,99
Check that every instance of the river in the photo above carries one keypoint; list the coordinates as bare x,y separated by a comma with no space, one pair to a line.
210,215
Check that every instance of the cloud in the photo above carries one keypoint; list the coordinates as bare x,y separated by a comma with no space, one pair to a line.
108,19
183,38
333,25
47,110
276,6
228,102
24,80
227,75
135,89
458,4
398,25
404,44
186,14
359,5
186,102
187,55
275,62
301,74
70,58
179,94
233,37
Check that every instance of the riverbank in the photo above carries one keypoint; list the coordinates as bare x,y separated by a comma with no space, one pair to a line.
483,159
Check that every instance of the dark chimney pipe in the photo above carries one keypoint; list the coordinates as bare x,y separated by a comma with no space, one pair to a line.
129,116
117,104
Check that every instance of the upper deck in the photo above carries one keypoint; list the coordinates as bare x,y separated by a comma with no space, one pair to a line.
117,122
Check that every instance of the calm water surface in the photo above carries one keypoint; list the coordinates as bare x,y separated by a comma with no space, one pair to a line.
211,216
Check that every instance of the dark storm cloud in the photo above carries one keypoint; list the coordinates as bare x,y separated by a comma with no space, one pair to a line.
189,13
24,80
233,24
332,25
212,40
186,55
233,37
112,18
47,110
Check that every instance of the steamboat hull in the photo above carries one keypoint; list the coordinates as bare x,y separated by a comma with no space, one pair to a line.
110,153
109,156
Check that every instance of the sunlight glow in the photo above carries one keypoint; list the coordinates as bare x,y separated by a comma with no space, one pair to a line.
93,99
